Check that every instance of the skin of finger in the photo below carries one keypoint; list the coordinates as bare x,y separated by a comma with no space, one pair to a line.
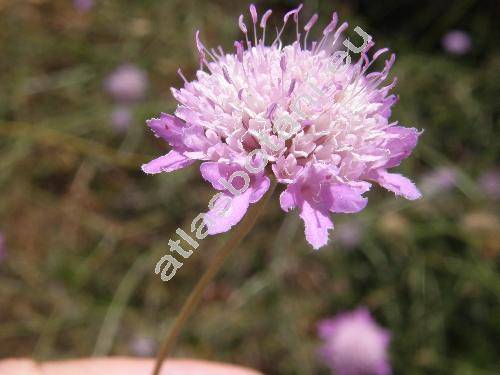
120,365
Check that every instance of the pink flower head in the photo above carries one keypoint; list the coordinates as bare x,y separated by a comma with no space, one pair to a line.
127,83
456,42
349,234
121,117
142,346
83,5
354,344
303,112
489,183
439,180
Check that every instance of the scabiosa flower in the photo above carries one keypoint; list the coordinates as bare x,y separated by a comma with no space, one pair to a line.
354,344
439,180
142,346
121,117
349,234
456,42
303,112
489,183
83,5
127,83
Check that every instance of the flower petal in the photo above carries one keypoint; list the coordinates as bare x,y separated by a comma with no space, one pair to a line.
167,163
227,212
401,146
210,172
317,224
169,128
347,199
258,188
398,184
287,199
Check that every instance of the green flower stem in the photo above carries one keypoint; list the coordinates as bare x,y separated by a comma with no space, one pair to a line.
196,294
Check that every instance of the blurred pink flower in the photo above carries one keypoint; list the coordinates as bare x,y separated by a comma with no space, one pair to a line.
121,118
349,234
322,130
127,83
489,183
354,344
456,42
439,180
142,346
83,5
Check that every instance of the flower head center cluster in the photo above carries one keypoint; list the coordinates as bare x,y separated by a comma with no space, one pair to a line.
303,112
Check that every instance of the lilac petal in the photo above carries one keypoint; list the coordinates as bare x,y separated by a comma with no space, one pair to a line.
347,199
170,129
222,217
317,224
167,163
210,171
259,188
163,127
287,199
401,146
213,172
398,184
194,138
326,328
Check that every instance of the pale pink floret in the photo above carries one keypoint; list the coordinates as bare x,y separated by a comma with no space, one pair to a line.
324,127
230,207
354,344
127,83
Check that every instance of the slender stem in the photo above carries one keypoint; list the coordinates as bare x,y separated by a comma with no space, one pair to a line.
194,297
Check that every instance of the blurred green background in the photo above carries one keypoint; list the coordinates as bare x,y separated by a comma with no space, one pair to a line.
83,226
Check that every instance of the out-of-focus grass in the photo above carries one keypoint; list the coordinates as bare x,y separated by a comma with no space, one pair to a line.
84,226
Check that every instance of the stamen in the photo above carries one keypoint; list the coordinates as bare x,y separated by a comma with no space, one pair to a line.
253,13
239,51
226,75
263,23
243,28
296,20
285,20
179,72
339,31
331,26
292,87
283,63
379,52
328,29
201,49
270,111
309,26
